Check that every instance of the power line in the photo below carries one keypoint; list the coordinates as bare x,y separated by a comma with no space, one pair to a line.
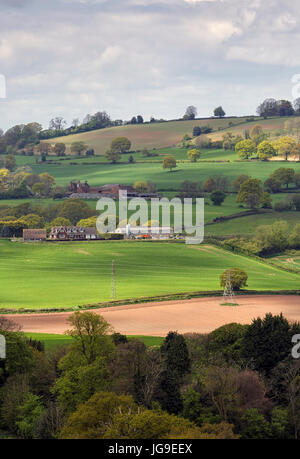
113,281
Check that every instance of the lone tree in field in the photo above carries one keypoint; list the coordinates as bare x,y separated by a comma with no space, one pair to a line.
112,156
219,112
59,149
238,278
217,197
245,149
78,147
120,145
193,155
44,147
250,193
284,175
169,162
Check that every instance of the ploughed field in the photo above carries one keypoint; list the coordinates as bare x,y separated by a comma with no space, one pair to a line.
54,275
200,315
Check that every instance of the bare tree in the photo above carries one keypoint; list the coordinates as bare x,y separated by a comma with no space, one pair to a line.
57,123
153,369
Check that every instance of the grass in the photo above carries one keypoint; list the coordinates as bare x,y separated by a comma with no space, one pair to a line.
51,341
290,259
248,225
154,135
128,174
56,275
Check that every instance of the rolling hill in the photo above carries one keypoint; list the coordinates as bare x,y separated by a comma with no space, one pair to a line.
154,135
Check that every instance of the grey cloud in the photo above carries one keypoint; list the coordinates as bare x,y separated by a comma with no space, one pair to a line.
155,57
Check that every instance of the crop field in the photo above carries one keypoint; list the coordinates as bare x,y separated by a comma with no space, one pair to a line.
271,125
161,135
154,135
54,275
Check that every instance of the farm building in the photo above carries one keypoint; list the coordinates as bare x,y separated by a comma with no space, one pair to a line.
72,233
34,234
152,232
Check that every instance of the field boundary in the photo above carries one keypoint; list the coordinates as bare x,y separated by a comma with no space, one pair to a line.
151,299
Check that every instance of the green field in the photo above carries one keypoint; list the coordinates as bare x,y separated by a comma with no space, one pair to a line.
128,174
54,275
51,340
247,225
290,259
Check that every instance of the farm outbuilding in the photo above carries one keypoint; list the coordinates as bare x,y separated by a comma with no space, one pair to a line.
34,234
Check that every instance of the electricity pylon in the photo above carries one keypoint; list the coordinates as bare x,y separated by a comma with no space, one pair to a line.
228,295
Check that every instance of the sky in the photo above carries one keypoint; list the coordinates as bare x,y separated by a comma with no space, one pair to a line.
151,57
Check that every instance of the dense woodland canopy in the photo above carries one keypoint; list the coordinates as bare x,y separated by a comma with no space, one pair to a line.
239,381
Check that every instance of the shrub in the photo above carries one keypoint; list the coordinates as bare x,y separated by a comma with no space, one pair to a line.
282,206
217,197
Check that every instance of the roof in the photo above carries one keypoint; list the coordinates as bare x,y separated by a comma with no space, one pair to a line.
74,229
38,233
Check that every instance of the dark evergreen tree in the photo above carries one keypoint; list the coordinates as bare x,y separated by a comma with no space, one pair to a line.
177,365
196,131
267,342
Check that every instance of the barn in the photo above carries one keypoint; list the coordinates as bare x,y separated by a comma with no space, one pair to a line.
34,234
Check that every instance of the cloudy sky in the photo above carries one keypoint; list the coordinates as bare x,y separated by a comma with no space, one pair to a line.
149,57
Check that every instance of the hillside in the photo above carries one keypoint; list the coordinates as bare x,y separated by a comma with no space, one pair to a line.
154,135
81,272
269,125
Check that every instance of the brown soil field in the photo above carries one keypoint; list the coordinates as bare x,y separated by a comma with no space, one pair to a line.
201,315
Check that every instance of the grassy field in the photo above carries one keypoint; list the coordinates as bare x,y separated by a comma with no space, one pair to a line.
128,174
154,135
51,341
54,275
290,259
248,225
